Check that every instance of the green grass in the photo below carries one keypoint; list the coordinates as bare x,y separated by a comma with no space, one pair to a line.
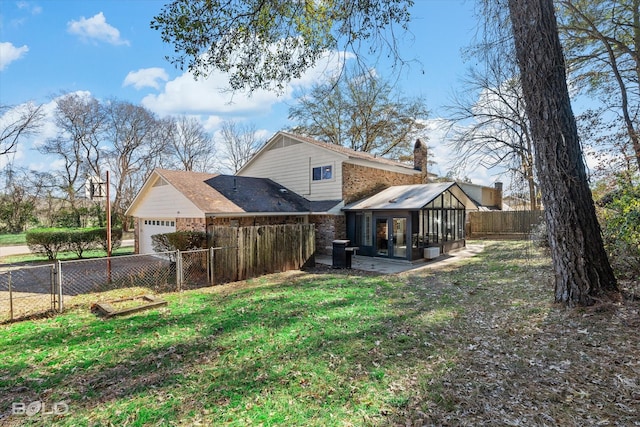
67,255
13,239
318,348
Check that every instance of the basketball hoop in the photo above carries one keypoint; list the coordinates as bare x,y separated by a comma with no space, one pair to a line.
95,188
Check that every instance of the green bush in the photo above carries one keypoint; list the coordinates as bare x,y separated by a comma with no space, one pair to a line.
48,241
51,241
619,217
179,241
116,238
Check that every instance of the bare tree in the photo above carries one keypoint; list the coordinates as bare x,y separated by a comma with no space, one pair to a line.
490,126
582,270
239,143
80,122
360,111
18,122
602,41
189,144
19,199
131,130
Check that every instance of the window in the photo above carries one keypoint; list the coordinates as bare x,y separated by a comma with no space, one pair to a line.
366,229
322,173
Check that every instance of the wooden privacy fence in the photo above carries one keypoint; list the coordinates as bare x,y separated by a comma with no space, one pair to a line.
505,224
260,250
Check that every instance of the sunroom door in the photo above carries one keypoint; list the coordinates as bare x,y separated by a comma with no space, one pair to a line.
391,237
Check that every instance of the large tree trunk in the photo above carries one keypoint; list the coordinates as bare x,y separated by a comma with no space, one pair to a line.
582,271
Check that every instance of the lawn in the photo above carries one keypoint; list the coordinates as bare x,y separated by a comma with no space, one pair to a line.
473,343
13,239
32,258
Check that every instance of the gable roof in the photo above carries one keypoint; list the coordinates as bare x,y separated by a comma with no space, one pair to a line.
410,197
258,194
193,185
346,153
227,194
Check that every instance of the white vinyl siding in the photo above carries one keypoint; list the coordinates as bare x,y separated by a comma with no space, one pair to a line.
291,166
164,201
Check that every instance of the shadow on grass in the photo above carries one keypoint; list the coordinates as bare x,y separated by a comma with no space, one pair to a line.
241,344
317,344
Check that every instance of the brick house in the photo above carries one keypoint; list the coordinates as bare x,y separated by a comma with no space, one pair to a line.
330,176
291,179
192,201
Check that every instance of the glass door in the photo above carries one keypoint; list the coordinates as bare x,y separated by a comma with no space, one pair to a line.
391,237
399,237
382,237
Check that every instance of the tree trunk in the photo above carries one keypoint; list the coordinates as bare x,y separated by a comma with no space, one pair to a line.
582,271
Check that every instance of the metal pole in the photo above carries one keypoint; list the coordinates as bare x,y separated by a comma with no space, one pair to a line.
60,299
179,270
210,261
108,208
10,298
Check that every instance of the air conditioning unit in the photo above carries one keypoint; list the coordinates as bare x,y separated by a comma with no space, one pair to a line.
431,253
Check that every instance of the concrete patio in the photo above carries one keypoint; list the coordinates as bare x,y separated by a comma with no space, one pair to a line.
392,266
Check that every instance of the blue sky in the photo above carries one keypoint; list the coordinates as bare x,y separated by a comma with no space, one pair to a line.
107,48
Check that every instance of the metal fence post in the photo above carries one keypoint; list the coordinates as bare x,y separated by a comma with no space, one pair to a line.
10,298
210,266
60,299
52,286
179,270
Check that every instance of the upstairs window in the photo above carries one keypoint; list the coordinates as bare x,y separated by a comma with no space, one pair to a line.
322,172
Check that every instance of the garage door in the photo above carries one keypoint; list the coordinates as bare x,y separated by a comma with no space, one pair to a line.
151,226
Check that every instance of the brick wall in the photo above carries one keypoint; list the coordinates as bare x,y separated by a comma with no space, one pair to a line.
359,181
328,229
136,236
190,224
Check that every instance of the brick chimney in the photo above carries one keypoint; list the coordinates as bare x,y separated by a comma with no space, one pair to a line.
498,187
420,160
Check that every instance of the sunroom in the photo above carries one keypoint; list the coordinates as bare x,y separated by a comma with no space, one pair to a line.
409,222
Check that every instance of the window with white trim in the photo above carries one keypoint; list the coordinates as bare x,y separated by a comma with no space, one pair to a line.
321,173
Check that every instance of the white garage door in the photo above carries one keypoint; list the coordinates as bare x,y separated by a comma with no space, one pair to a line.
151,226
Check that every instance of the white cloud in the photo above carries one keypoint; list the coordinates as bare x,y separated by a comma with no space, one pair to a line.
146,77
96,28
31,8
10,53
212,95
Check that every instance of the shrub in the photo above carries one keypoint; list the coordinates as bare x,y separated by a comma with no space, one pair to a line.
51,241
116,238
179,241
82,239
47,241
619,217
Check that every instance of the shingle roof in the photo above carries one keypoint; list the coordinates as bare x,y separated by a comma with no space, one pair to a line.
216,193
258,194
353,154
194,187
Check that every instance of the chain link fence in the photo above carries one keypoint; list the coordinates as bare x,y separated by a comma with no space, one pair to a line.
242,253
27,291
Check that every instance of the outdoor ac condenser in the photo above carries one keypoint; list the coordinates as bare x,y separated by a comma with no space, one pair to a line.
431,253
